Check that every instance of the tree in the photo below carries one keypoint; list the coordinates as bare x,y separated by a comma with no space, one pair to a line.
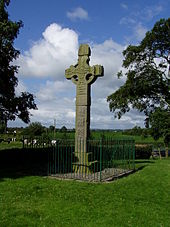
63,129
11,105
51,128
160,126
147,87
34,129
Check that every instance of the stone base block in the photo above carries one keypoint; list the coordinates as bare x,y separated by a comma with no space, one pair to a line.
83,157
86,168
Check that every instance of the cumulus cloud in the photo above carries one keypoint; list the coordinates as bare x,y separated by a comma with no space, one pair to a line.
55,96
78,13
50,55
54,89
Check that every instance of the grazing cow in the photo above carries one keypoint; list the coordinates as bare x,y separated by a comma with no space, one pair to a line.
34,141
25,141
53,142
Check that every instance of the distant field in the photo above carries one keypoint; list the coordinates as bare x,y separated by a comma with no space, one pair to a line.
5,145
119,135
108,134
94,135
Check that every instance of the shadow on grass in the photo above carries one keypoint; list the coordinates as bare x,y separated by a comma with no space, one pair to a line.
144,161
16,163
140,164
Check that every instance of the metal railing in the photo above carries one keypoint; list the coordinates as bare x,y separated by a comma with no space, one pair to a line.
99,160
92,160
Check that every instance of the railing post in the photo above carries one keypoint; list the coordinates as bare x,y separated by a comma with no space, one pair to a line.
23,142
133,155
100,159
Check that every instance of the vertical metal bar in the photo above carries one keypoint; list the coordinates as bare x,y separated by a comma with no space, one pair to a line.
66,165
100,160
58,154
23,142
97,158
129,158
48,163
62,150
94,158
55,164
133,155
124,151
71,156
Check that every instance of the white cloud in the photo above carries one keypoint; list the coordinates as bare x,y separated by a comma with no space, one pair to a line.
51,54
78,13
135,20
149,13
124,6
55,98
108,54
127,21
21,87
54,89
140,31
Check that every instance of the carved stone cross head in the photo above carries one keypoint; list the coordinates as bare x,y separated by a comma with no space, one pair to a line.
82,72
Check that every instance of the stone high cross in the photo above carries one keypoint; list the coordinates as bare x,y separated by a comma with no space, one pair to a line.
83,75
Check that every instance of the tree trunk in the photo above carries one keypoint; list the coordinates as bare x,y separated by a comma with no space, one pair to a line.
159,149
166,151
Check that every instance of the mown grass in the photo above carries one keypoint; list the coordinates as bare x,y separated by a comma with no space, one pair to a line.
11,145
141,199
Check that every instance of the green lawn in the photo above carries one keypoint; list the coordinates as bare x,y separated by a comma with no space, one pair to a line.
141,199
11,145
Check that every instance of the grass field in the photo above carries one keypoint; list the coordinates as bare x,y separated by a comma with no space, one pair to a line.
109,134
141,199
11,145
94,135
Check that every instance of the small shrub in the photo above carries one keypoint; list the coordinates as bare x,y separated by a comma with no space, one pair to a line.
143,151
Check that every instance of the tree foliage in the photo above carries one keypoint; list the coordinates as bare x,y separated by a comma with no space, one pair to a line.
11,105
147,87
63,129
160,122
34,129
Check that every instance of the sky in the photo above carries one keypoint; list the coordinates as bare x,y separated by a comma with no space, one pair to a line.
49,42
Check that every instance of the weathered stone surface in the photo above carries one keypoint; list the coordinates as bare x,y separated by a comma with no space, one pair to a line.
83,75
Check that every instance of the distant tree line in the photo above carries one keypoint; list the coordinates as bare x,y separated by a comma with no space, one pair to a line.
137,131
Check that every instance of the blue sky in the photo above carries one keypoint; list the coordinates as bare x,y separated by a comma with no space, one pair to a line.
49,42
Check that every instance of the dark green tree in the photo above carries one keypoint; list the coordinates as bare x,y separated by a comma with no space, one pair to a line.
63,129
34,129
147,87
51,128
11,105
160,126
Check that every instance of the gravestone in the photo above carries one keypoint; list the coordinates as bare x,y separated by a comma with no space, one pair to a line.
83,75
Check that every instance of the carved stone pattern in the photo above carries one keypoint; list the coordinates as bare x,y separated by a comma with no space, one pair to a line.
83,76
